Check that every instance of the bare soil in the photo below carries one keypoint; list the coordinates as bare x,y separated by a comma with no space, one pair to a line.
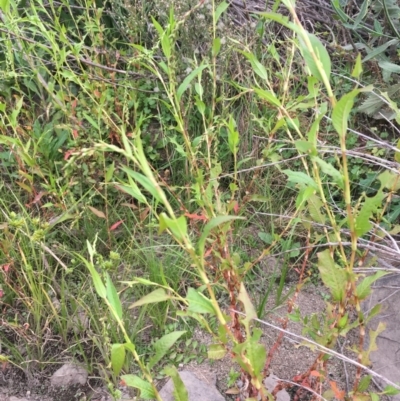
290,359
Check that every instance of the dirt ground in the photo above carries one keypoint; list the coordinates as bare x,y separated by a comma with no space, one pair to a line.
289,360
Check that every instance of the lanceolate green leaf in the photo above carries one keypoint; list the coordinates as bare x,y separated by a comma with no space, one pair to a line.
112,297
186,82
268,96
215,222
380,49
373,334
247,304
317,59
163,345
132,190
5,5
198,303
117,357
258,68
364,288
257,355
146,389
357,70
315,208
301,178
220,9
397,153
216,351
98,283
166,45
332,276
177,226
370,206
331,171
159,28
341,112
233,135
158,295
144,181
304,195
281,19
180,393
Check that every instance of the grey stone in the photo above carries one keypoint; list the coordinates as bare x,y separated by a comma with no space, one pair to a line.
270,383
12,398
386,360
69,374
197,389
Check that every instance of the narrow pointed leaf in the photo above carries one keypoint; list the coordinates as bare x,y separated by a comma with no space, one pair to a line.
163,345
215,222
247,304
364,288
98,283
144,181
341,112
117,357
146,389
220,9
158,295
371,205
198,303
331,171
332,276
180,393
186,82
301,178
178,226
268,96
317,60
216,351
112,297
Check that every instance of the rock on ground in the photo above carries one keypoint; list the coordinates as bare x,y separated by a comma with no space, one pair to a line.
386,360
270,383
198,390
68,375
12,398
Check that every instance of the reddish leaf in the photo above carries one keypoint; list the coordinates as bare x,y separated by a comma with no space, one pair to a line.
38,197
236,208
196,216
116,225
339,394
1,293
208,252
4,366
68,153
6,267
315,373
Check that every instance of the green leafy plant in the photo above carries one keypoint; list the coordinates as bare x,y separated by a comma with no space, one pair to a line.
133,158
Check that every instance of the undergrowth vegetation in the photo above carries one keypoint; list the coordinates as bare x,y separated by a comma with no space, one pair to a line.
170,153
